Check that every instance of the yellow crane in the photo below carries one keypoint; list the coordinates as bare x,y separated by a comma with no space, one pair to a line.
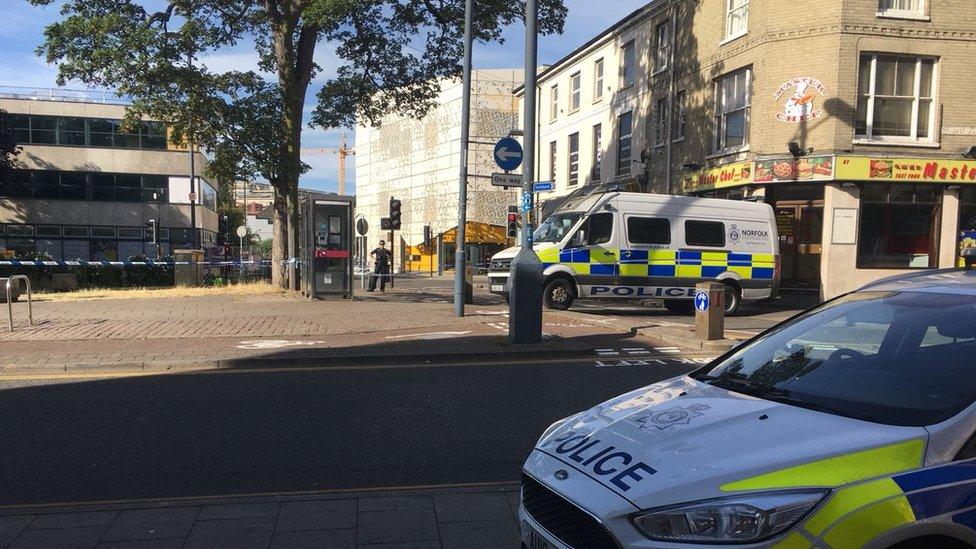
343,151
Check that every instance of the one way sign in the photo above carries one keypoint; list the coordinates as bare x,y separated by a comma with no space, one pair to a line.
508,154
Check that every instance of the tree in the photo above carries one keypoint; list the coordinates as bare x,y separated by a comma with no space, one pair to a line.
389,54
8,146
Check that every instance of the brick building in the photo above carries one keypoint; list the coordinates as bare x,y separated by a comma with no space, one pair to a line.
854,119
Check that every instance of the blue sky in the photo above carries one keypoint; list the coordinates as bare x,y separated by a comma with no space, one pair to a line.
22,25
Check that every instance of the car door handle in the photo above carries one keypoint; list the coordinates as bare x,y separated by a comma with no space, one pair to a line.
607,252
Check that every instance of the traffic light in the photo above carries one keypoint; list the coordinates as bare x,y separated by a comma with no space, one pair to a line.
427,235
153,231
221,230
513,222
396,216
385,224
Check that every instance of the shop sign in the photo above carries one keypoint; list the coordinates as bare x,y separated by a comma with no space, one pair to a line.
802,92
729,175
906,169
809,168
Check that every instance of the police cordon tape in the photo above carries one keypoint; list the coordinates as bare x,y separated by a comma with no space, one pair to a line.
147,263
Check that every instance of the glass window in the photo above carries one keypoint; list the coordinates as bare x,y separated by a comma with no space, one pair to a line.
895,98
733,97
103,186
209,196
76,232
627,70
74,186
44,130
556,227
75,250
20,123
71,131
661,119
916,7
574,92
47,230
574,159
662,53
128,232
104,250
705,233
101,133
103,232
597,151
16,185
553,103
153,135
128,188
895,358
47,184
736,18
648,230
598,229
20,230
624,134
899,228
678,120
598,79
552,162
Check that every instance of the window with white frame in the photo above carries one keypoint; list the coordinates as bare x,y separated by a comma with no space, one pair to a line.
574,159
574,92
678,119
733,96
895,98
661,121
597,151
627,69
662,54
553,103
736,18
901,7
598,79
552,162
625,131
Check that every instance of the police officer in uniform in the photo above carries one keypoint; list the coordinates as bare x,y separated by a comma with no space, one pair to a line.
381,266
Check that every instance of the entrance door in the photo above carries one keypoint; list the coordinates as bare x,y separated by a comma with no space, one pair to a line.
800,228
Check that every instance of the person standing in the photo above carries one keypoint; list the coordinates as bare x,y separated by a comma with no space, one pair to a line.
381,266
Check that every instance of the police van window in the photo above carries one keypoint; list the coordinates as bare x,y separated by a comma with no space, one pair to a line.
648,230
599,228
705,233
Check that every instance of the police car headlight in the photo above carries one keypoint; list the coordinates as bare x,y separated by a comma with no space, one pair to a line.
740,519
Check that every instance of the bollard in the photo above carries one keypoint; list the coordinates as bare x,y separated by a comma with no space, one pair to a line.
469,284
710,311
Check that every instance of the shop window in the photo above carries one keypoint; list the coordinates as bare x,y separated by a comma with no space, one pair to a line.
574,159
733,97
625,131
736,18
895,99
967,219
705,233
648,230
898,228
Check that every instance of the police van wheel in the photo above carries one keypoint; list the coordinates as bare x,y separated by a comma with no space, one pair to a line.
733,299
559,294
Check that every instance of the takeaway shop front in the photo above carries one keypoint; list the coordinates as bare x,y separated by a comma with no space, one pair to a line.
844,221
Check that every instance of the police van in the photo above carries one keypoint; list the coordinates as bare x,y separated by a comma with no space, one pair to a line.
850,425
645,246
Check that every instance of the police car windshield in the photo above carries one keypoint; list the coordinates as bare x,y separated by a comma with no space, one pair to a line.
898,358
556,226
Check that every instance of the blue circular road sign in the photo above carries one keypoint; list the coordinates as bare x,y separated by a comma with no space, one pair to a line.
701,301
508,154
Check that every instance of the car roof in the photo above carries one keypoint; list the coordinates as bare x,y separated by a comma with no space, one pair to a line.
945,281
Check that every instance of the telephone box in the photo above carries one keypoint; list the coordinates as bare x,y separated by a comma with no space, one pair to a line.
327,243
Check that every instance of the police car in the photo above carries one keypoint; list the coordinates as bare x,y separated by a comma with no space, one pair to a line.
624,245
850,425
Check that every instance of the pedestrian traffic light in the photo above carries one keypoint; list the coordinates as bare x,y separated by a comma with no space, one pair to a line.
153,231
512,222
395,214
385,224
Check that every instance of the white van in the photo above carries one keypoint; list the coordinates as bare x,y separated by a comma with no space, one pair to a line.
646,246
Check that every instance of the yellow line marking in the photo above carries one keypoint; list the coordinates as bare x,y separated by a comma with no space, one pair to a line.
298,493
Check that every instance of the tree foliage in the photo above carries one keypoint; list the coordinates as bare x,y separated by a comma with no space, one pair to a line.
8,146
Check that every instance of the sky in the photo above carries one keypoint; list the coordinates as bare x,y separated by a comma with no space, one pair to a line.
22,27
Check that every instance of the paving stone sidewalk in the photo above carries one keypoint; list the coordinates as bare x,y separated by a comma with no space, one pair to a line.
480,517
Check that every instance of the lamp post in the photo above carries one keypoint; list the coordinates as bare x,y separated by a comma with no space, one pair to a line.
459,255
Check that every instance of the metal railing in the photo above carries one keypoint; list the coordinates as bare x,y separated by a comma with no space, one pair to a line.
10,301
63,94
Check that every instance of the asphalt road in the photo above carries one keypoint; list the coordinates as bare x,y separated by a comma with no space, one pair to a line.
247,432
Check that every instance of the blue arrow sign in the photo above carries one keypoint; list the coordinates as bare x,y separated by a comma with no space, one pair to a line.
508,154
542,186
701,301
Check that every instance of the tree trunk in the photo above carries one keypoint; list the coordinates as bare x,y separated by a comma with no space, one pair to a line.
280,238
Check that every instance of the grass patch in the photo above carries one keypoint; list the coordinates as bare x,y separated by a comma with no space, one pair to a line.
248,289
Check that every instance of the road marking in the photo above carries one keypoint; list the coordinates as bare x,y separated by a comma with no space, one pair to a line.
275,344
492,313
667,350
606,352
430,336
636,351
499,326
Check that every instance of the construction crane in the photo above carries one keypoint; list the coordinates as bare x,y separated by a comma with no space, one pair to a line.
343,151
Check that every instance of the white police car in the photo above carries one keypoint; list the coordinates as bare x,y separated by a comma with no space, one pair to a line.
850,425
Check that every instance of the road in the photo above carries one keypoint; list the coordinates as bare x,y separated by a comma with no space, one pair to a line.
309,429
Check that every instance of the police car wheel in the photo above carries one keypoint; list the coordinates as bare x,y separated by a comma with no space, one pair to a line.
733,298
559,294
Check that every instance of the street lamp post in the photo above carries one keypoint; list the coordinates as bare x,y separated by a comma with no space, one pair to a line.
525,277
459,255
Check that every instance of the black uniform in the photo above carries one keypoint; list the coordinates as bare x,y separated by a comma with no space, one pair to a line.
381,268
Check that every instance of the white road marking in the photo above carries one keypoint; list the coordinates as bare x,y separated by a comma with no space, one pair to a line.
606,352
430,336
275,344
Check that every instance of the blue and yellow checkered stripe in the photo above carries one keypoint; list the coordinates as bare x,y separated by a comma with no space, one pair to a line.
663,263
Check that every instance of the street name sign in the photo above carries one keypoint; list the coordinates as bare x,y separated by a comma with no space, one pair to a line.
508,154
506,179
542,186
